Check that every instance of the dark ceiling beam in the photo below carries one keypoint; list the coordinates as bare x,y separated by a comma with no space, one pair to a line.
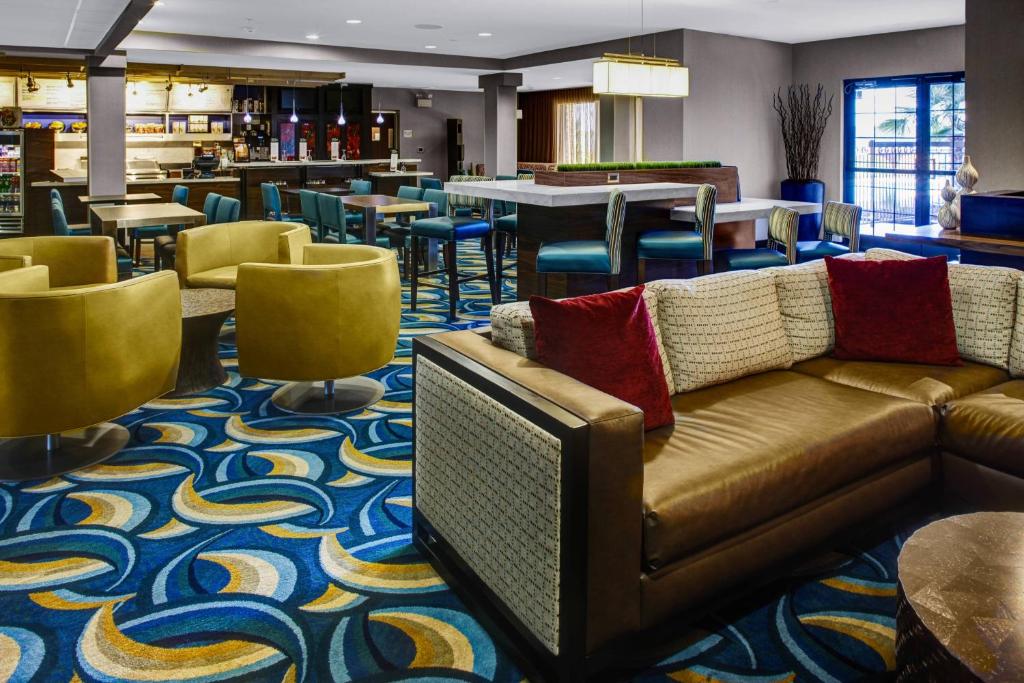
125,24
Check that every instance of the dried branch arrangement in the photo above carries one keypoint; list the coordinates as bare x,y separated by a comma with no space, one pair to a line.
803,120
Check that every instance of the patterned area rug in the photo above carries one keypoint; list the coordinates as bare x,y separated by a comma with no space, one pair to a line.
231,541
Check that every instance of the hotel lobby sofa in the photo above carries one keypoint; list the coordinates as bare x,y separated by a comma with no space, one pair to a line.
574,533
209,256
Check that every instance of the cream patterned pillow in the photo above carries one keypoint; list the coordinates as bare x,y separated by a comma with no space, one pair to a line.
984,307
1017,347
806,306
512,329
720,327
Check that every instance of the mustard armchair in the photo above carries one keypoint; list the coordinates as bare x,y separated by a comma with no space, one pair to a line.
209,256
69,363
320,325
73,262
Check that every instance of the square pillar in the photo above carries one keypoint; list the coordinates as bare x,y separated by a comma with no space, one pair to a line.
500,102
105,78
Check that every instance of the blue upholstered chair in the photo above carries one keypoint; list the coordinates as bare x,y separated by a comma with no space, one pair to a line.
838,220
450,229
228,209
311,212
334,223
179,195
683,245
210,207
597,257
272,205
399,229
781,250
60,220
431,184
360,187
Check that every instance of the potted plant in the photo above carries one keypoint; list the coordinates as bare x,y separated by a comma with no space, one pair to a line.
803,117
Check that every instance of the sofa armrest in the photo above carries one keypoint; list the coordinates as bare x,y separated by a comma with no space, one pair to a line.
531,482
14,262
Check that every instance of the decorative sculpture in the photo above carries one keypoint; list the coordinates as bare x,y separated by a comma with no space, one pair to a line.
949,212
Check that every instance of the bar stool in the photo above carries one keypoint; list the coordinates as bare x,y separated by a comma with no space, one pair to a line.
400,228
838,220
272,205
683,245
506,230
451,229
601,257
783,225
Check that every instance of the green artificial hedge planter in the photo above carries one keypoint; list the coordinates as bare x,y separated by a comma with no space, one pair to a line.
637,166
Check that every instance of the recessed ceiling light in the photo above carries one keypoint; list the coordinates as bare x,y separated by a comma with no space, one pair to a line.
312,36
353,21
430,47
485,34
556,78
428,27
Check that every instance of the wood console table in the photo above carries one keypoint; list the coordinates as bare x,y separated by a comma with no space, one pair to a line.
936,236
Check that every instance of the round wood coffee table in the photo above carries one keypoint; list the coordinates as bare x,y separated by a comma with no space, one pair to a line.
960,606
203,312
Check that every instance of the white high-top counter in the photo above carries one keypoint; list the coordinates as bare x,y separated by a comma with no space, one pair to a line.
553,196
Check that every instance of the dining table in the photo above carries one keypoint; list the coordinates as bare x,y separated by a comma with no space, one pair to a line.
735,222
129,198
109,220
375,206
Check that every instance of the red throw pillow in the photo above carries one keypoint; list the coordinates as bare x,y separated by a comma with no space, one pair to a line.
606,341
897,311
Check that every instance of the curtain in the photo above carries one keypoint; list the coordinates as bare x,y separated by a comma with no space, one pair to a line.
576,132
537,127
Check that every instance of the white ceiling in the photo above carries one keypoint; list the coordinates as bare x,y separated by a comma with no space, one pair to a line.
78,24
525,26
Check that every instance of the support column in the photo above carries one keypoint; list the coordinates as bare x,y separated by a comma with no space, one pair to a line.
105,78
621,128
500,153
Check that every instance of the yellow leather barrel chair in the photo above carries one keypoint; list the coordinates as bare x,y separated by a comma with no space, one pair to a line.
69,362
73,262
320,325
209,256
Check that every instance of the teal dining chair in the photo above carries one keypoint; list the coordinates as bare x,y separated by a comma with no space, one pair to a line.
431,184
783,225
837,220
696,245
360,187
210,207
61,227
311,212
334,222
150,233
450,229
400,229
228,210
166,246
506,230
592,257
272,205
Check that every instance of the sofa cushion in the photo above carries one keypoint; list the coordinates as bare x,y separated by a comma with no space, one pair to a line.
984,308
606,341
932,385
1017,345
217,278
512,329
988,427
745,452
806,307
720,327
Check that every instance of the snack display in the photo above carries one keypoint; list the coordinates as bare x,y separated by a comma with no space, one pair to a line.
79,127
56,125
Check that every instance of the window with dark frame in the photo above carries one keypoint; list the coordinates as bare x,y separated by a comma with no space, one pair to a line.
903,138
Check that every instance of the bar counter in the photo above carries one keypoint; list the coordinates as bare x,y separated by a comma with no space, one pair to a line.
549,213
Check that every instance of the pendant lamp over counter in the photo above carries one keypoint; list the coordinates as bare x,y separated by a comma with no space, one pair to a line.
640,76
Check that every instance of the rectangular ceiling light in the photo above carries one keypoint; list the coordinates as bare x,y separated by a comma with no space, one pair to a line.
640,76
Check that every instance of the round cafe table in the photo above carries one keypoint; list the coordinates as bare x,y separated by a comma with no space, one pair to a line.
203,311
960,601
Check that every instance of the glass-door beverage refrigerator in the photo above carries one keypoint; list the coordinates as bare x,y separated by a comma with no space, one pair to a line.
12,176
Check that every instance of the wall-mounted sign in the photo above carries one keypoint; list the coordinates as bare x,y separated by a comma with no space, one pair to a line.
143,97
406,133
216,98
53,95
8,88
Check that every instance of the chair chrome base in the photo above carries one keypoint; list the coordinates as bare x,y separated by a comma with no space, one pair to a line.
328,398
41,457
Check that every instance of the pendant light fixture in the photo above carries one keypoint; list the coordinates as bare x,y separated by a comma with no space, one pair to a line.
341,106
294,117
380,114
247,118
640,75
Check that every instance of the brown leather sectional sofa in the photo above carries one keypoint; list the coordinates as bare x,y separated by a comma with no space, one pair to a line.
573,533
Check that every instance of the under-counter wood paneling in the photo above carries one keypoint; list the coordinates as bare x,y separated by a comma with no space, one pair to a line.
726,179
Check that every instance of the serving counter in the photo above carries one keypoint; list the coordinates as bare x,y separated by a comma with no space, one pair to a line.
548,213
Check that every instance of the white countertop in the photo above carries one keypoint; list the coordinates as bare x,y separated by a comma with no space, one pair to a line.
749,209
400,174
527,192
321,162
76,182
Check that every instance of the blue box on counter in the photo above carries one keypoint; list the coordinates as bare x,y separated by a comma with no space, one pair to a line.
993,214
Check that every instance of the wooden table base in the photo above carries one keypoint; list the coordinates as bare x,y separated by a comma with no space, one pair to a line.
200,368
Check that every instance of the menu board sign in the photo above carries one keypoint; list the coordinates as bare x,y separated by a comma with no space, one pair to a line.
142,97
53,95
7,89
187,98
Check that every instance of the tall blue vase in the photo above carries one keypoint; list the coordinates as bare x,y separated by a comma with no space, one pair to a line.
806,191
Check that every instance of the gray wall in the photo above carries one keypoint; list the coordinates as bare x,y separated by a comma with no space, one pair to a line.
831,62
429,127
995,92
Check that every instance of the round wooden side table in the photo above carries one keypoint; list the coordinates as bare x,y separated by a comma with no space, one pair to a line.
960,603
203,312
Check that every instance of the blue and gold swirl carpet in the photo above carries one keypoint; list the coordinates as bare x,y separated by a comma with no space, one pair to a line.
231,541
